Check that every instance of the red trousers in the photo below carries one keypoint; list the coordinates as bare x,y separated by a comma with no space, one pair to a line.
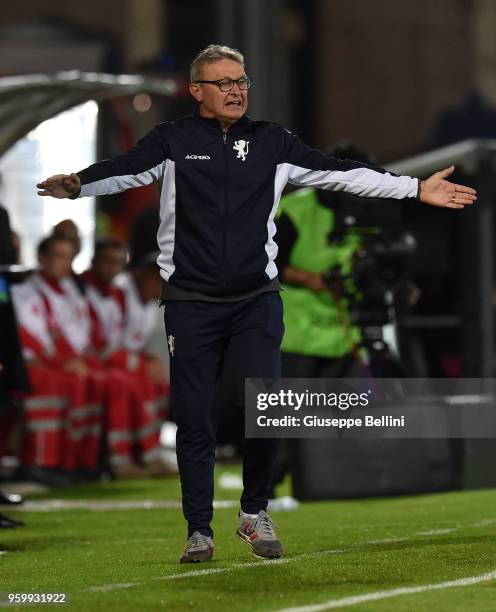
63,419
66,414
135,415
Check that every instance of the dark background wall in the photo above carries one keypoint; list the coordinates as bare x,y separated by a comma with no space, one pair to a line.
387,69
379,73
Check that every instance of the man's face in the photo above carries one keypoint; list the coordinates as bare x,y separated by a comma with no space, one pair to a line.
226,107
57,262
108,264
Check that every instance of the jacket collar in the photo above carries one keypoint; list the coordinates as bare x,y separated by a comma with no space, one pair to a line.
51,282
237,127
89,278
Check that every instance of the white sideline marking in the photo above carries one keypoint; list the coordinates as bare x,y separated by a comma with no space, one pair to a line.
54,505
111,587
387,541
484,523
220,570
217,570
357,599
437,531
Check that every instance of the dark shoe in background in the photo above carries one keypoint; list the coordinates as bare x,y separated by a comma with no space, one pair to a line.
51,477
9,523
10,500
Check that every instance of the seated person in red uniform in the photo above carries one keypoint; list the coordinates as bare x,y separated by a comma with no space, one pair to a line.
122,320
63,413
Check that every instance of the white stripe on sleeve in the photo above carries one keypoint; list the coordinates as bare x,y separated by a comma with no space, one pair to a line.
116,184
363,182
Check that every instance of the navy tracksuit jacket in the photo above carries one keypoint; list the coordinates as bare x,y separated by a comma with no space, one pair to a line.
220,193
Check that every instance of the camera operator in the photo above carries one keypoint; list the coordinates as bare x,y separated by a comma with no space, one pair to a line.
320,339
346,269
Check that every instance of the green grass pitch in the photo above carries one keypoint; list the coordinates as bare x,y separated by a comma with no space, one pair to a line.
128,559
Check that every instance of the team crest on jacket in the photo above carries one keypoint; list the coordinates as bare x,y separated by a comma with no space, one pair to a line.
241,146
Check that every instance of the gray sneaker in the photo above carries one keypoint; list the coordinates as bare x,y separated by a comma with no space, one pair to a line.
260,534
199,548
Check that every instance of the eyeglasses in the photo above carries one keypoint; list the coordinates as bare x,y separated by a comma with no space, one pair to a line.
227,84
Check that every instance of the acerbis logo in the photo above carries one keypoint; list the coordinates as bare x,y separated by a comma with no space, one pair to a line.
197,157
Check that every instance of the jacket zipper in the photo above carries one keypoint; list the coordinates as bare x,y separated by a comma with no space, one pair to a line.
224,230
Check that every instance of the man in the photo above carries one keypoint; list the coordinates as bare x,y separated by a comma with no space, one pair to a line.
105,299
63,413
106,308
13,373
7,251
320,340
123,318
69,230
223,175
141,289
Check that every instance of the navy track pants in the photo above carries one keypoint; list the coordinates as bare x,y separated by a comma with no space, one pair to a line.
198,335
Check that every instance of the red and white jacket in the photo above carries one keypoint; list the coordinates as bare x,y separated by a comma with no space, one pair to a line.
106,304
53,317
139,317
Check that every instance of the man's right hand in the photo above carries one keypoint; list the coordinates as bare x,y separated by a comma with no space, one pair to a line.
60,186
314,281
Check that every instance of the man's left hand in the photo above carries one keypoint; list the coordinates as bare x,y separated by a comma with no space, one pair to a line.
437,191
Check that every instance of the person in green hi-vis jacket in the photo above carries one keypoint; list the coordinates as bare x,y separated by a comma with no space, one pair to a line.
320,339
317,321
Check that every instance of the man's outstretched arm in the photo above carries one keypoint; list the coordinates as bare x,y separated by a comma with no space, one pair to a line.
309,167
143,164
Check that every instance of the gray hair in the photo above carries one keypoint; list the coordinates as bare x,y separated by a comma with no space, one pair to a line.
212,54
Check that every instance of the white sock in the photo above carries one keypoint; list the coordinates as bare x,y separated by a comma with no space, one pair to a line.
246,515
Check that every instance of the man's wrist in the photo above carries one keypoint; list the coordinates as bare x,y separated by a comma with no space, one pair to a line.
419,190
76,195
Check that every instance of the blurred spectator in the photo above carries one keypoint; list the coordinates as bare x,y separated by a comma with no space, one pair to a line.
320,338
63,413
122,321
141,290
16,244
7,250
106,300
144,234
474,118
69,230
13,374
